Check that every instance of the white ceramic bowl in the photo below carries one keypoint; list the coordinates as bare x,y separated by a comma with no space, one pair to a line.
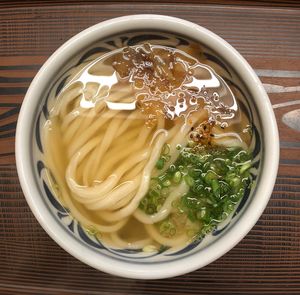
68,233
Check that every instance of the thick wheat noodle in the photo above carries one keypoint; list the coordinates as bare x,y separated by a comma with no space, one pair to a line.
120,147
88,222
165,210
115,195
115,155
84,120
141,138
103,146
71,150
70,131
88,162
229,139
92,128
134,171
178,139
80,112
122,94
88,120
121,142
144,133
105,186
131,118
118,156
130,163
96,109
123,202
119,242
128,210
71,117
74,162
174,129
89,132
109,201
68,202
69,134
65,196
72,128
79,173
64,99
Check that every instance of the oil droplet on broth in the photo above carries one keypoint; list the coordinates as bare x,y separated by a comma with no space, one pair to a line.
160,80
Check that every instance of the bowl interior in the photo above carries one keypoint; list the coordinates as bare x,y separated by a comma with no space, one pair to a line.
56,82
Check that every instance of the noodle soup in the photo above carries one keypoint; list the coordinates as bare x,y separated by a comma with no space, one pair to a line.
148,144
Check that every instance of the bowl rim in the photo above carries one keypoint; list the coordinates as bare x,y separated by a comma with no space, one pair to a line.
170,268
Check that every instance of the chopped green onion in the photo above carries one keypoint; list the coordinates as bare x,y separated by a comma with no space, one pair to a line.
177,177
167,228
235,182
172,168
210,175
245,167
217,179
160,164
189,180
154,194
167,183
215,188
156,187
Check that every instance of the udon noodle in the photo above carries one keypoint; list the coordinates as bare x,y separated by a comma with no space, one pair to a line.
124,120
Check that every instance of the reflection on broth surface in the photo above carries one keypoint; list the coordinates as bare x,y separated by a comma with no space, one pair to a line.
152,147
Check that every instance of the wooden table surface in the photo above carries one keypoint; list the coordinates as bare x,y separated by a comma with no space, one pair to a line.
266,261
